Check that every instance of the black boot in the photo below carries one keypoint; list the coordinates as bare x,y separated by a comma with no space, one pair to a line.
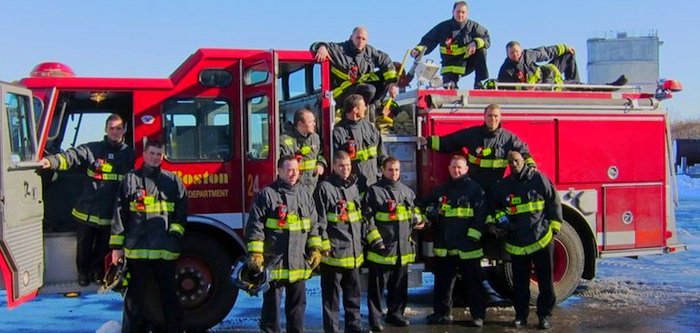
621,81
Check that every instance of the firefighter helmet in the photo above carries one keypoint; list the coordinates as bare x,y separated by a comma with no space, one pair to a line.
116,278
249,281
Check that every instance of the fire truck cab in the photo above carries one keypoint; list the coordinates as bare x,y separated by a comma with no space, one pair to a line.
220,115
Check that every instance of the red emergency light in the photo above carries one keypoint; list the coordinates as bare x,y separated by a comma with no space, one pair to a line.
52,69
672,85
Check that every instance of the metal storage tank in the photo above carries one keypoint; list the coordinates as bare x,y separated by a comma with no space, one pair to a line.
633,53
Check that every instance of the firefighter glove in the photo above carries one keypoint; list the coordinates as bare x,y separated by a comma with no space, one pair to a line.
255,262
314,258
495,231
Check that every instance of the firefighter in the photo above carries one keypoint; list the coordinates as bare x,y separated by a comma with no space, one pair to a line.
521,66
361,140
487,146
303,142
282,232
463,45
105,162
353,64
457,211
527,211
340,226
147,230
390,205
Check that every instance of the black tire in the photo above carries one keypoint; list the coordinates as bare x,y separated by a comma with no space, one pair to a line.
204,285
569,260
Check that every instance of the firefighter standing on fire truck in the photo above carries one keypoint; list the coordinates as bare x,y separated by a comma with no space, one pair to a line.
527,211
105,162
463,45
390,205
360,139
281,232
487,146
147,229
457,210
303,142
353,64
340,226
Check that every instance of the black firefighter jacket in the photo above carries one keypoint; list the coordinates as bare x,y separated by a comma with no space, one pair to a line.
341,224
526,70
533,208
282,225
487,151
453,39
105,164
363,142
151,215
390,205
457,211
350,66
309,151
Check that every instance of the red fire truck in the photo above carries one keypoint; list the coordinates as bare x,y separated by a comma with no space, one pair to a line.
220,115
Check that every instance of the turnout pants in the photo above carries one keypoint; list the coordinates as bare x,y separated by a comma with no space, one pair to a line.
336,279
162,272
93,246
294,307
542,261
566,63
475,63
395,280
446,270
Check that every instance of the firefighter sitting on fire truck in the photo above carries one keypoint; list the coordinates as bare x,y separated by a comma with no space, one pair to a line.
303,142
527,211
522,66
463,45
352,69
281,232
105,162
360,139
390,205
341,228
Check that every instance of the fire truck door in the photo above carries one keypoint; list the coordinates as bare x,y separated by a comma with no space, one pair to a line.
260,122
21,204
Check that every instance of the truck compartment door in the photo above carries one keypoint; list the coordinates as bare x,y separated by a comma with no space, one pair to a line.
21,205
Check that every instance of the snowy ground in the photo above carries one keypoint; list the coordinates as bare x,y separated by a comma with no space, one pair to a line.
634,290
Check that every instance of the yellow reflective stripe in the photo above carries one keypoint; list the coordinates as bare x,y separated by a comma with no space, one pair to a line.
561,49
177,227
116,240
62,162
373,236
314,242
453,69
293,275
458,211
479,42
533,206
90,218
353,216
255,246
391,260
156,207
150,254
536,76
489,219
390,74
420,48
529,249
558,78
104,176
530,161
365,154
292,222
325,245
555,225
435,142
456,252
347,262
339,90
473,233
342,75
495,163
308,164
454,50
289,141
402,214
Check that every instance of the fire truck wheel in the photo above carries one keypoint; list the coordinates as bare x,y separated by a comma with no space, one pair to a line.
567,269
204,285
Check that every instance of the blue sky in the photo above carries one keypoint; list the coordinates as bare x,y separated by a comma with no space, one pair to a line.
152,38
